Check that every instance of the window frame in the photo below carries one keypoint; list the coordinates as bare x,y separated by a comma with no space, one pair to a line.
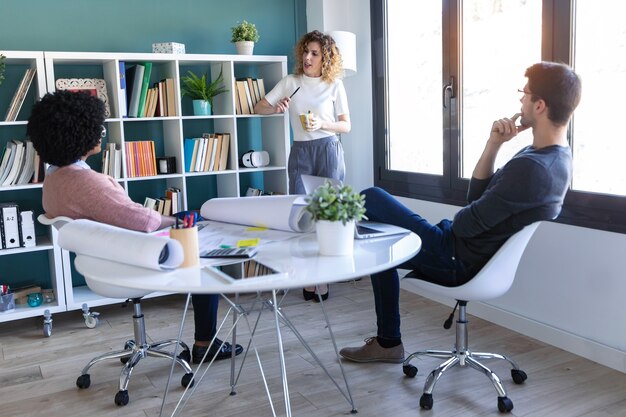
581,208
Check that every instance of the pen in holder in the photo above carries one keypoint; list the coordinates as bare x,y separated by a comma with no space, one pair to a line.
188,238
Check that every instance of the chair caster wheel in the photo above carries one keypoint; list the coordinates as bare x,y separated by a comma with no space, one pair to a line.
505,405
83,381
187,380
426,401
409,370
518,376
121,398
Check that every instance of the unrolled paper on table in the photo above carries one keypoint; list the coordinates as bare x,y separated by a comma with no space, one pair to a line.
281,212
112,243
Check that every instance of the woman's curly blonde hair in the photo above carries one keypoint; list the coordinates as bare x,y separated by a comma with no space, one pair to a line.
331,57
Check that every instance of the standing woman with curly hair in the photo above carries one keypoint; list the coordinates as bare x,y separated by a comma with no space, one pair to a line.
316,149
314,90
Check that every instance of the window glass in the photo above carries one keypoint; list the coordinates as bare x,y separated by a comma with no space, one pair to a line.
500,40
415,83
598,138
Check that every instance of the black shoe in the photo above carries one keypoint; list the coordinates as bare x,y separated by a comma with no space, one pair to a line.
322,296
312,295
197,352
308,295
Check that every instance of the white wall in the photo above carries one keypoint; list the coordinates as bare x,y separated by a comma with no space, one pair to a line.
571,285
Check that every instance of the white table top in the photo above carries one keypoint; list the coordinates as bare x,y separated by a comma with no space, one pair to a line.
297,261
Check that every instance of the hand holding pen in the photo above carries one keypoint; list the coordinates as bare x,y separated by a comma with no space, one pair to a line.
283,105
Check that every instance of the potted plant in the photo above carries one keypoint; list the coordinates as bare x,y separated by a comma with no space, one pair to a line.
335,209
244,36
201,91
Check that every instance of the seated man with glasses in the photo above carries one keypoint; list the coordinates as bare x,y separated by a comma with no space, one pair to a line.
68,127
528,188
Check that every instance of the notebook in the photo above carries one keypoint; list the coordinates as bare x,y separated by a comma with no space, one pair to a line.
363,229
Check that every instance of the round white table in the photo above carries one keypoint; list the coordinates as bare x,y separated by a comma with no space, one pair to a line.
297,264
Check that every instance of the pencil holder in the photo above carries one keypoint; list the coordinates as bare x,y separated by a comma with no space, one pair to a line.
188,238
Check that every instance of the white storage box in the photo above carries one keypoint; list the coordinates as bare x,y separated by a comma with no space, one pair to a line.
168,48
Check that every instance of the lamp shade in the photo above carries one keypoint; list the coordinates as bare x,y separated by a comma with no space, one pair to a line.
346,42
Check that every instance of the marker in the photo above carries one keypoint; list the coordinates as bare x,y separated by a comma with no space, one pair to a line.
292,94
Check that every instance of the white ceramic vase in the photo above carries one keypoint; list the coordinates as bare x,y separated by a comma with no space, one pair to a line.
245,47
335,238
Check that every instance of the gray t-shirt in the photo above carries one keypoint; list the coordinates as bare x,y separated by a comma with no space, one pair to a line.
529,188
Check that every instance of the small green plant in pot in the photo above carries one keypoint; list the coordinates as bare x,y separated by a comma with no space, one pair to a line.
335,209
201,91
244,36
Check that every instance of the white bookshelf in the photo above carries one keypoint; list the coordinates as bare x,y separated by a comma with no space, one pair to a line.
269,133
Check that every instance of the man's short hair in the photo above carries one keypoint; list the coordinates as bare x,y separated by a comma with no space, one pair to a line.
558,85
64,126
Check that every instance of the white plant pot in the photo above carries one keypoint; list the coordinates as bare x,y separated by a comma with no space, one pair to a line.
335,238
244,47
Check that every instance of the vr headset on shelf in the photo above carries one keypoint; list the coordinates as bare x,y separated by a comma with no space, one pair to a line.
255,159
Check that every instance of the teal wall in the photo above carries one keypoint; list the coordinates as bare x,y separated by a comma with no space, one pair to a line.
133,25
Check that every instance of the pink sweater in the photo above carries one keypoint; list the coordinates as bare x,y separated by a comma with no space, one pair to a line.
81,193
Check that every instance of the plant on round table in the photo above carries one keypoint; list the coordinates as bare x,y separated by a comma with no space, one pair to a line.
336,203
245,31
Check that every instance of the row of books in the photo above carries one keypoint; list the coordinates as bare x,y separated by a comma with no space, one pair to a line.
143,100
208,153
248,93
17,228
168,205
112,160
140,159
20,95
20,164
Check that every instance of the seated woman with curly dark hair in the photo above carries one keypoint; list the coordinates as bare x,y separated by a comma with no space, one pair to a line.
66,128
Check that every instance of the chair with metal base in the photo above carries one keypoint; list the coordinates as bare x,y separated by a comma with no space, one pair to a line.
134,349
492,281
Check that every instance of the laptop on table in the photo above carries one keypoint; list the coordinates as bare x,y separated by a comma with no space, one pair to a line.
363,229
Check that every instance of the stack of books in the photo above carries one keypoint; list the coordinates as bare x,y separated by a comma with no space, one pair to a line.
143,100
140,159
248,93
168,205
208,153
112,160
20,164
20,95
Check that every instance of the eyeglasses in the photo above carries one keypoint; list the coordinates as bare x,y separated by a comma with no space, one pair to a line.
104,132
533,96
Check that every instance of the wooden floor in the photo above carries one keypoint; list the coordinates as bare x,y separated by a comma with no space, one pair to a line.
37,374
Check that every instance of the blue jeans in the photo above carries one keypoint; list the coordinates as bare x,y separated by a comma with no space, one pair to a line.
205,316
435,262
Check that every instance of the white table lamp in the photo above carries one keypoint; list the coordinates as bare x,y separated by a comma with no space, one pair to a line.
346,42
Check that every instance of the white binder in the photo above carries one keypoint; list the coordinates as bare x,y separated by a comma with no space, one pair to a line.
28,229
10,226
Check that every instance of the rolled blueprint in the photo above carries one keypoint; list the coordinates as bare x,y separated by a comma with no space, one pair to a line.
280,212
99,240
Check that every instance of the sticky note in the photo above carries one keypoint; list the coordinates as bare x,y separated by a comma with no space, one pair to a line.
256,229
248,242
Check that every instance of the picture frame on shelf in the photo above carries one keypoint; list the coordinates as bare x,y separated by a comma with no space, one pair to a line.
94,86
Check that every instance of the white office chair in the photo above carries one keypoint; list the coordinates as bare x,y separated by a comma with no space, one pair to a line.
134,349
492,281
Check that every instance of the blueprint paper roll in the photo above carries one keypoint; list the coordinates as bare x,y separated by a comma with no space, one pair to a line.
99,240
280,212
